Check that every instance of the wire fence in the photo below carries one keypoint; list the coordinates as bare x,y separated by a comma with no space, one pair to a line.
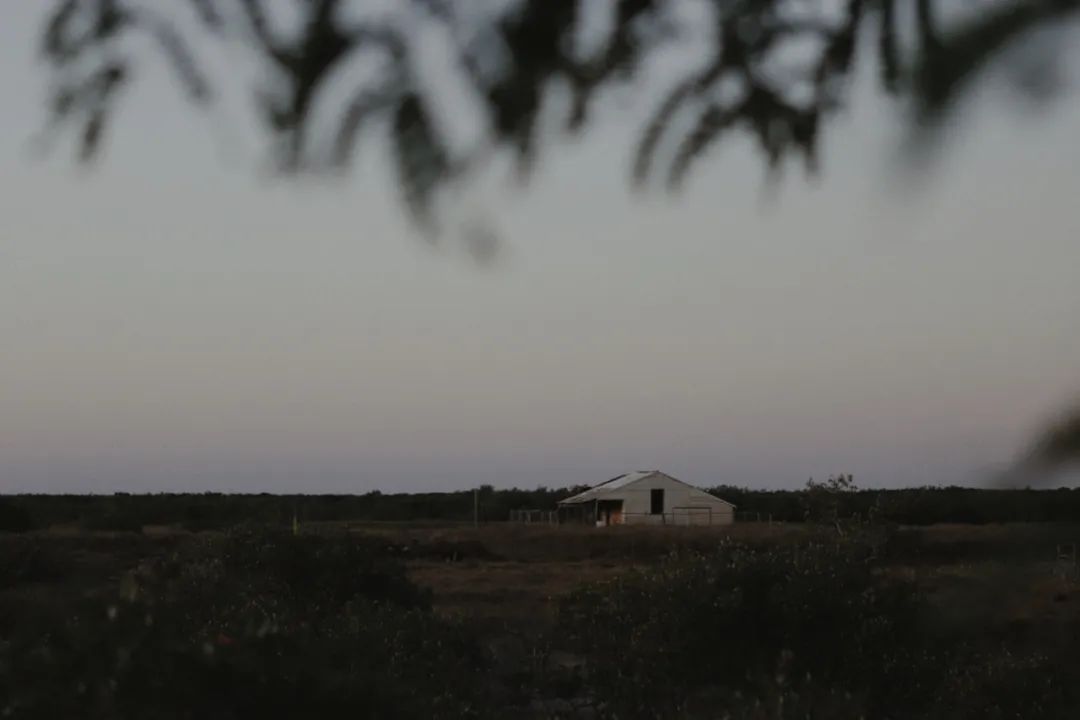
678,517
535,517
754,517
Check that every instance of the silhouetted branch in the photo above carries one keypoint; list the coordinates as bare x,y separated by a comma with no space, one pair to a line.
713,121
260,28
422,162
950,64
664,115
1058,445
529,47
888,47
367,104
179,56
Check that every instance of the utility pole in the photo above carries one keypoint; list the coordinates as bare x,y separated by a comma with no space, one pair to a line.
476,507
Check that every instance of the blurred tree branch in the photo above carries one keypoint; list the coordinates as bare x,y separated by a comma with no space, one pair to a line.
1057,446
513,54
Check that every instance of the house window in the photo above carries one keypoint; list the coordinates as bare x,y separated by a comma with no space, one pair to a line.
657,501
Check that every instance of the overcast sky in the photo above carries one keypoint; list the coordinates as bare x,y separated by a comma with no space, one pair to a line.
175,320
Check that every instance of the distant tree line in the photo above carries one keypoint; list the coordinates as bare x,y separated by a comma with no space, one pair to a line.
917,506
209,511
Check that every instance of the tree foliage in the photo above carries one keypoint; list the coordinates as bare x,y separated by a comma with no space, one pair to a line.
1057,446
775,69
818,503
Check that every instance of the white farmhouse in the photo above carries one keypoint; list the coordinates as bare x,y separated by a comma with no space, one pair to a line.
647,497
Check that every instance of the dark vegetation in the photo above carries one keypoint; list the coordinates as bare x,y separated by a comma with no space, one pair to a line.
246,625
123,512
699,623
513,61
845,614
811,630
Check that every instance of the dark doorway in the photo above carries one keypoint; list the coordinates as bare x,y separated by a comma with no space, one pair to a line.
609,512
656,498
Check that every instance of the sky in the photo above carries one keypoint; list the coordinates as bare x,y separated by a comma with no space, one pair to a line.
176,319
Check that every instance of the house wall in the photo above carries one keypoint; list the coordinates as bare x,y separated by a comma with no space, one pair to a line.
678,499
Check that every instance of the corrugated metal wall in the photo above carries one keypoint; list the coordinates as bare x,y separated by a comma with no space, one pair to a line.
683,505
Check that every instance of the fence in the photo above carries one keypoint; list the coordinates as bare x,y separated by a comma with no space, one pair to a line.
1066,561
696,516
577,515
754,517
535,517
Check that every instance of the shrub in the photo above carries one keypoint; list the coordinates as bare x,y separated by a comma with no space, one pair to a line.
756,623
302,572
14,518
251,625
112,521
200,517
26,560
133,660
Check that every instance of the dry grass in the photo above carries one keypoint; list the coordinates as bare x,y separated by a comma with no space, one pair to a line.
972,575
543,543
512,592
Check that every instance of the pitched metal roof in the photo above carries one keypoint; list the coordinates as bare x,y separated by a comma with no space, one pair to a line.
608,485
598,491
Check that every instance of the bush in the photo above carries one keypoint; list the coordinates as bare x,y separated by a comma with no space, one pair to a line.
133,660
13,518
26,560
757,624
112,521
201,517
301,572
251,625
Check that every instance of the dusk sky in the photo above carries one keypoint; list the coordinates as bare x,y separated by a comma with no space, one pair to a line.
176,319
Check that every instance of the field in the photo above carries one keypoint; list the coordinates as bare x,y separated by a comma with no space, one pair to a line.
519,573
535,619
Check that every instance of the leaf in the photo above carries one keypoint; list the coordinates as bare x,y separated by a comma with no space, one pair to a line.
182,60
54,41
91,135
840,52
256,18
364,107
208,13
949,65
888,49
1059,444
98,94
422,163
711,123
655,129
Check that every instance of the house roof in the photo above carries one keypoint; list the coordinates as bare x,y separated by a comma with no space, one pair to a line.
608,485
621,481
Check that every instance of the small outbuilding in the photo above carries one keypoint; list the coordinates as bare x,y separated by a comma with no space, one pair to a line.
646,497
